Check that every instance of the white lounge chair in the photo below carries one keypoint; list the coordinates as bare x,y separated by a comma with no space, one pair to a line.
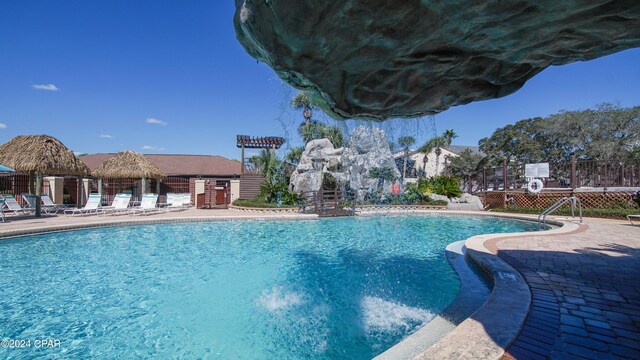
12,204
31,201
46,200
186,200
147,205
174,202
120,205
91,207
2,210
632,216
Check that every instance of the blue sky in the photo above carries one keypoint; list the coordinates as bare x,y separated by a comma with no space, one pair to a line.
170,77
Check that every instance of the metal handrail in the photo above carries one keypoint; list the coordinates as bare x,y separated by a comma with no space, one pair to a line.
542,218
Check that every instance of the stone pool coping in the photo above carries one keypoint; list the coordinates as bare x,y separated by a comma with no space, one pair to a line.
489,331
484,335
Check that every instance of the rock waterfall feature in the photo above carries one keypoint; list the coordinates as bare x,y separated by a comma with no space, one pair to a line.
348,166
382,59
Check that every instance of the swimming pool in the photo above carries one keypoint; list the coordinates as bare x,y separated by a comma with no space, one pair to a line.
325,289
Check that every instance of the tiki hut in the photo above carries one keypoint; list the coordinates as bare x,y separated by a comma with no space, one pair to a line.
128,165
38,155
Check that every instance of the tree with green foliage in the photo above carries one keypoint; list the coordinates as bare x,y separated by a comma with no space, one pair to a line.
334,134
606,132
392,146
448,136
294,154
316,130
448,186
382,174
436,144
523,141
302,101
267,163
405,143
464,165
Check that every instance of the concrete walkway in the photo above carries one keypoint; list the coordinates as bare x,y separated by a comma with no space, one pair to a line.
21,225
585,290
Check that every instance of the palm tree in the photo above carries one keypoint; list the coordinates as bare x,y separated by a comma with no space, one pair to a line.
449,135
334,134
301,101
435,143
405,142
267,163
294,155
310,131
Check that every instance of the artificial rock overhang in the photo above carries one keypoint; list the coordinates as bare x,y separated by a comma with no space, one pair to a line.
381,59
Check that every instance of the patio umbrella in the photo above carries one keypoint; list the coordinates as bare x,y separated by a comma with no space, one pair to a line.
6,169
38,155
128,165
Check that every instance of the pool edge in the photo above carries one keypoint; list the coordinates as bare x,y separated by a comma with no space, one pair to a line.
487,333
468,340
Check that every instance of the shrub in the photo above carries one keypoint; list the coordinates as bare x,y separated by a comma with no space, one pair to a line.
255,203
564,211
411,196
636,198
448,186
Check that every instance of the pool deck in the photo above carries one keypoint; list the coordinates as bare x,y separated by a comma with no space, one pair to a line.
575,294
585,287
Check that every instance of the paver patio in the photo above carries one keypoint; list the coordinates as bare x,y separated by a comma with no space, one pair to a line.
586,292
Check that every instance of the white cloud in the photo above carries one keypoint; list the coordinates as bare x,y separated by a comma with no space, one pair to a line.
156,121
78,153
47,87
152,147
106,136
3,126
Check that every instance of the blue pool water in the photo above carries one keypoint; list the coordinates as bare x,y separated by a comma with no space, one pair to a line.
323,289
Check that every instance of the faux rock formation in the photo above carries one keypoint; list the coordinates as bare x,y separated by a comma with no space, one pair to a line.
382,59
466,202
368,148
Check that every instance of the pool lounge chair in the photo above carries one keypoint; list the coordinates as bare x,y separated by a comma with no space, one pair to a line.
2,210
186,200
147,205
632,216
31,201
120,205
174,202
91,207
12,205
46,200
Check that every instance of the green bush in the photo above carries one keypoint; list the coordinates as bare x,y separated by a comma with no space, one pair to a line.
382,173
448,186
275,190
564,211
411,196
255,203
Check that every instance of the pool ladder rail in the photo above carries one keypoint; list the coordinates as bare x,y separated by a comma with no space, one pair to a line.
542,218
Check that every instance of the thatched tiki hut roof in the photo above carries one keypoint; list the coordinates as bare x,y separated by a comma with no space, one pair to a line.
41,154
128,165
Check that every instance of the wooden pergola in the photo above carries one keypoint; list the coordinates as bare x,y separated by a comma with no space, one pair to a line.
258,142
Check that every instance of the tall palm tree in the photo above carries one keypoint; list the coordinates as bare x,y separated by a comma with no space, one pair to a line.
449,135
405,142
301,101
435,143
